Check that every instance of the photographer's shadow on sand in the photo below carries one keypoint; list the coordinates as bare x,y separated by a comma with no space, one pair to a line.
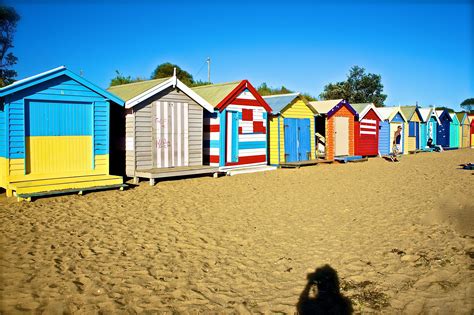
328,299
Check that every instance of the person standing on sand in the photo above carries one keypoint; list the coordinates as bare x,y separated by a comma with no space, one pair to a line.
397,139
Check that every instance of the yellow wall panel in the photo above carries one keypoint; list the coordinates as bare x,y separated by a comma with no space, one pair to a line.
102,163
3,172
17,167
58,155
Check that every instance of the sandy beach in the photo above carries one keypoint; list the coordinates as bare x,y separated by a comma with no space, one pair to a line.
400,236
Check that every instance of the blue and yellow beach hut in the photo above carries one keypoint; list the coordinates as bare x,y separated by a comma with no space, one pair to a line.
54,135
291,129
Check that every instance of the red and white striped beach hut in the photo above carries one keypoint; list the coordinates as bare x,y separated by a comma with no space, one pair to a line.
366,129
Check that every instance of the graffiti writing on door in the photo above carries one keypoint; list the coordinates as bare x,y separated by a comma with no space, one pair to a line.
162,141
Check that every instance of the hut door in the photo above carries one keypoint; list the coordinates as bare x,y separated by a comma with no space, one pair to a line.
58,138
384,138
341,136
232,137
304,144
291,139
171,134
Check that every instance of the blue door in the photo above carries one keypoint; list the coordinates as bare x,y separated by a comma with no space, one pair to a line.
291,139
304,136
443,133
384,137
297,139
232,134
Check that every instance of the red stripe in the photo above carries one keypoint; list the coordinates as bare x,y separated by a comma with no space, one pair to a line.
241,101
211,128
249,160
214,159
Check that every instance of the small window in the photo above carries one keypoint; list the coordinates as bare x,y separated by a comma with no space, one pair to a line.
412,129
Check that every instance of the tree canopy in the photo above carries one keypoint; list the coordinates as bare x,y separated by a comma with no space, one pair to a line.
359,87
8,21
468,104
121,79
164,70
263,89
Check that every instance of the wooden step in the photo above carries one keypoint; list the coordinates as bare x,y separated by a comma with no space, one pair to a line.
82,182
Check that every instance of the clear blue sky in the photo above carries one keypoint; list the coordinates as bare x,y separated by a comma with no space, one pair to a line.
424,50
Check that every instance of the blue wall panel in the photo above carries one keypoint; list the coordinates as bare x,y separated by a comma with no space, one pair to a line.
101,127
59,88
3,130
398,118
58,118
384,137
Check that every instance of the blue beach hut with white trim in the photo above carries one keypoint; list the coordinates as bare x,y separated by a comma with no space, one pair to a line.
54,135
392,118
428,126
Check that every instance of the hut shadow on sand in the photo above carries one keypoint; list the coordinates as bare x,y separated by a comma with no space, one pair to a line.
328,299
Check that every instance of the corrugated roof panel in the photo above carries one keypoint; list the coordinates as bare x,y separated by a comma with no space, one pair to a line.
279,102
323,107
130,90
215,93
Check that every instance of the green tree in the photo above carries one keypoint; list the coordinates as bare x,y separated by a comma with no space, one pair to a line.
309,97
468,105
359,87
8,21
121,79
166,70
263,89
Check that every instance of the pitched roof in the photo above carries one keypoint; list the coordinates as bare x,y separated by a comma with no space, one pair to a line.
461,116
137,92
363,108
215,93
280,101
54,73
130,90
427,112
323,107
388,113
440,112
454,117
408,111
359,107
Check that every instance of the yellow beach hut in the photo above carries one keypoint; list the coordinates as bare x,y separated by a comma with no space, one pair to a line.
291,129
464,130
412,125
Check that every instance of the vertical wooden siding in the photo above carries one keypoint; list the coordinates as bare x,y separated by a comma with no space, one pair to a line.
141,131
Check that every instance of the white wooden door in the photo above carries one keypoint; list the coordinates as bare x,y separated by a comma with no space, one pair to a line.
341,136
172,134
